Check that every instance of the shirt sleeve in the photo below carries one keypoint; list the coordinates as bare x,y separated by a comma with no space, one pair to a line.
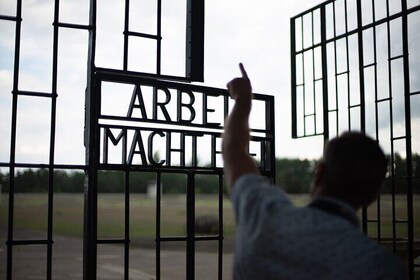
254,198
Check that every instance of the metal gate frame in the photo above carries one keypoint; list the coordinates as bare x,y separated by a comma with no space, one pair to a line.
96,164
322,118
95,75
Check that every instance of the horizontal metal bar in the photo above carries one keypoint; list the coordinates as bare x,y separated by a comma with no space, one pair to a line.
383,100
309,115
401,222
143,35
342,73
130,127
113,241
171,238
370,65
147,79
209,238
11,18
34,165
164,169
372,221
398,138
73,26
30,242
167,169
184,238
396,57
300,85
332,110
308,135
174,123
131,74
35,93
319,79
415,93
354,106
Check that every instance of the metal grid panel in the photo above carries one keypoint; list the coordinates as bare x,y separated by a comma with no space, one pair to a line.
96,123
351,70
130,133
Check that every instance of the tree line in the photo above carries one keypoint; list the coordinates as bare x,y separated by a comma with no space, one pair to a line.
294,175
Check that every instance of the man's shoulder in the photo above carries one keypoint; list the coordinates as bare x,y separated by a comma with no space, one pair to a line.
257,188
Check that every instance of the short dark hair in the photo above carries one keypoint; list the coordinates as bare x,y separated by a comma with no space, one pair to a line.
355,168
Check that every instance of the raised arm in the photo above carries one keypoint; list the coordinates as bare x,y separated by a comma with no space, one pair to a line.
236,136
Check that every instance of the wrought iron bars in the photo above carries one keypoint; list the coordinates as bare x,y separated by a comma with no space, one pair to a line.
361,65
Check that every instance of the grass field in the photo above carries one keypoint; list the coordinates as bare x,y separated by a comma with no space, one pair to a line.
31,210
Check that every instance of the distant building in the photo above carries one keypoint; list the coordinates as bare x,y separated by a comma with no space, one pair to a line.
151,189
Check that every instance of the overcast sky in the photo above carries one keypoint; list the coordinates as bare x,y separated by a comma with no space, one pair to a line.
255,33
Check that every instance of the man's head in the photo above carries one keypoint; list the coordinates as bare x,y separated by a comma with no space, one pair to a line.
353,169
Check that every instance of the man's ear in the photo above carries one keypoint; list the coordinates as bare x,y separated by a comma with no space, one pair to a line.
318,180
319,176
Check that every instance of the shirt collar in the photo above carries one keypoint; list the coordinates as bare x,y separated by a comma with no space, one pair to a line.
336,207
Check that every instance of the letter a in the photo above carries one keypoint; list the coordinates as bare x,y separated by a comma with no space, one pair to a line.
137,142
137,94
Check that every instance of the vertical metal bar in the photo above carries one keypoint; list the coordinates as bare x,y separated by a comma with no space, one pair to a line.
270,158
348,66
335,71
220,251
361,68
91,185
168,148
391,117
159,35
362,91
303,79
92,156
324,74
293,75
313,70
375,58
10,221
213,154
226,106
190,226
182,149
195,40
158,214
127,226
52,139
126,30
410,215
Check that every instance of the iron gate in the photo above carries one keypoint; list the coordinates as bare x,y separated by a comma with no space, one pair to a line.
182,121
355,67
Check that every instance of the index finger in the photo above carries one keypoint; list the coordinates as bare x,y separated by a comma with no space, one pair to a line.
243,72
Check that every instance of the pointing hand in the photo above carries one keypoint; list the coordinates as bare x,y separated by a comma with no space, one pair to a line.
240,88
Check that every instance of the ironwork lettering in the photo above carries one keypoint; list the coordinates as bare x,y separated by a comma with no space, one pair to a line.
161,105
150,150
142,155
186,106
152,132
137,95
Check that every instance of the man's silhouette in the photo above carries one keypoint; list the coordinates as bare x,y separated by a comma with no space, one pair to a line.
276,240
